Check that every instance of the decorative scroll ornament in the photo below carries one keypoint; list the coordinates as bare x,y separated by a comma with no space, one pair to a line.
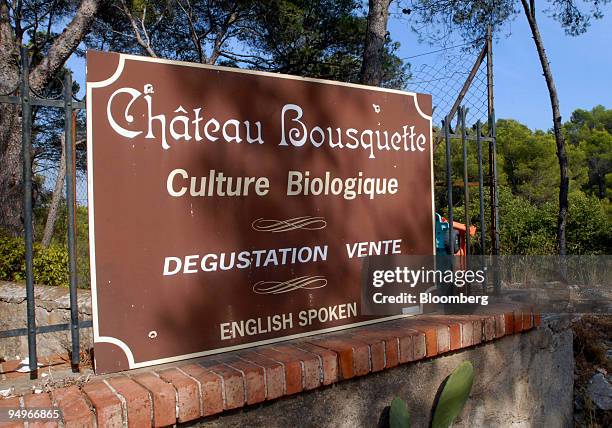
279,287
276,226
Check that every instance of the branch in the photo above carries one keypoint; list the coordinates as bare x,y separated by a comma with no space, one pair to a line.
65,44
242,58
220,36
38,47
529,12
197,40
50,22
145,45
144,28
17,9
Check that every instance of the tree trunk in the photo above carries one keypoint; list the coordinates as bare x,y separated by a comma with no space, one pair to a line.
554,102
11,191
56,198
11,178
376,35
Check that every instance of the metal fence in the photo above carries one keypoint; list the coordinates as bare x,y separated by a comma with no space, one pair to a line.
27,100
460,80
443,73
462,90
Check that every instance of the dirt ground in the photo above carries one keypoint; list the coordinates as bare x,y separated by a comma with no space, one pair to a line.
592,354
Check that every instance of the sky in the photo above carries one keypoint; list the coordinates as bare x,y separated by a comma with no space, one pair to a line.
582,67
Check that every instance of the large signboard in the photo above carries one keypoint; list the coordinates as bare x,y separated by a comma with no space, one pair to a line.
230,208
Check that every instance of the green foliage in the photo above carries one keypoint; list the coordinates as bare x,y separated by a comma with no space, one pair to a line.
590,137
530,229
525,228
50,265
13,254
470,19
454,395
322,38
399,417
589,230
528,176
582,122
529,161
60,236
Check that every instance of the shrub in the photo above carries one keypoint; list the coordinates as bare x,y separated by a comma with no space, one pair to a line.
12,255
589,231
50,265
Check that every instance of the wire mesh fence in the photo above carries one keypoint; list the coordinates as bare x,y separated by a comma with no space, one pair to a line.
48,172
50,211
442,72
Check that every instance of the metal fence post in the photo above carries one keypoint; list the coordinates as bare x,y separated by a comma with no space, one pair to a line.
493,163
495,206
70,204
466,188
449,184
480,189
26,144
492,147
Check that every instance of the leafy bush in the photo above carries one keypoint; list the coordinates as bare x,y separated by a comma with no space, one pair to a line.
12,255
524,227
50,265
589,230
60,237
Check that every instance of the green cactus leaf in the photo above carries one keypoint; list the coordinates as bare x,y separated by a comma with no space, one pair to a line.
453,396
398,414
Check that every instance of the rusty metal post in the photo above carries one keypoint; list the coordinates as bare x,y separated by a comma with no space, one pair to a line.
467,83
26,142
466,188
492,149
493,164
481,189
449,184
71,203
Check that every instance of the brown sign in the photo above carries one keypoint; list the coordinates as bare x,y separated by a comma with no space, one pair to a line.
232,208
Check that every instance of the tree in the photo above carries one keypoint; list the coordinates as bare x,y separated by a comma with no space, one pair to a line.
471,19
322,38
35,24
56,198
598,151
590,133
582,122
376,36
530,13
191,30
528,161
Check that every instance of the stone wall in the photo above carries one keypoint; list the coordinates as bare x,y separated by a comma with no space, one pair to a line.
522,380
52,307
523,374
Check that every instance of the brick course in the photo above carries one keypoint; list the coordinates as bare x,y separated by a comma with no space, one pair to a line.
75,409
163,397
108,409
137,400
190,390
